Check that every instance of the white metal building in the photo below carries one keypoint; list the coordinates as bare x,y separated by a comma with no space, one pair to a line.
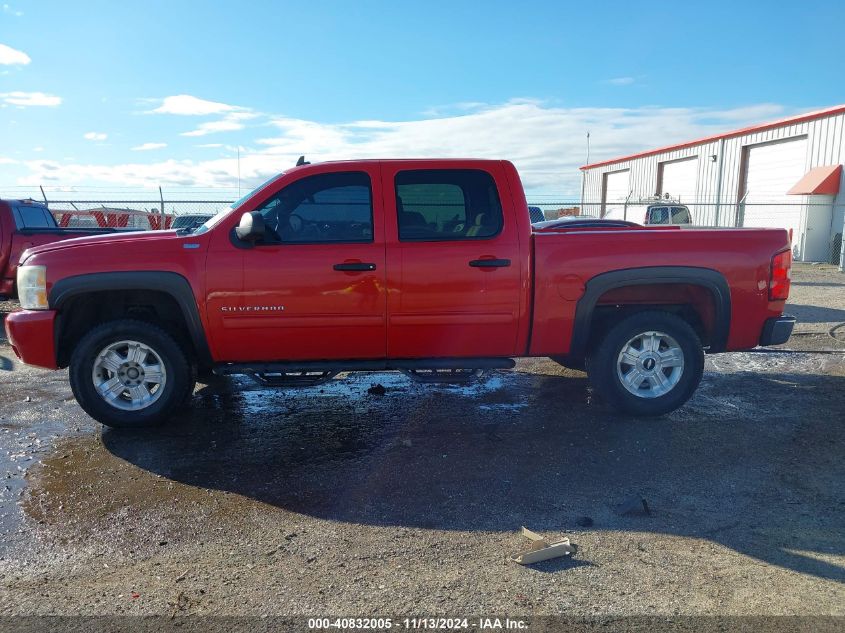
785,173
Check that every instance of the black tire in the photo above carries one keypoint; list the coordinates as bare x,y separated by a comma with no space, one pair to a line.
603,370
175,392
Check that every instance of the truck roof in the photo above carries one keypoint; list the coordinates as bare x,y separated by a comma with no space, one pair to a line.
402,160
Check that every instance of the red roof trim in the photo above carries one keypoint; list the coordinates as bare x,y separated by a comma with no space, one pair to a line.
801,118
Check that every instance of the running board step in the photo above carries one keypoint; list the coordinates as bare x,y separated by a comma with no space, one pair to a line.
292,378
336,366
449,376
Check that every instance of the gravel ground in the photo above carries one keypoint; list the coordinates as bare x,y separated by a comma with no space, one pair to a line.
337,501
817,298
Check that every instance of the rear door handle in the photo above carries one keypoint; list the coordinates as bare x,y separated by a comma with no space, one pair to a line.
490,263
355,266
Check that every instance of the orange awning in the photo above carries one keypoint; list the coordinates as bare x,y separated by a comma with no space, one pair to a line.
819,181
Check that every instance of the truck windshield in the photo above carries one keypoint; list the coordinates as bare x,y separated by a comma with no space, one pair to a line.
213,220
267,183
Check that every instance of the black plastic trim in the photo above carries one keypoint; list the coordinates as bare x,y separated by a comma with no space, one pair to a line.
710,279
490,263
777,330
260,367
170,283
354,266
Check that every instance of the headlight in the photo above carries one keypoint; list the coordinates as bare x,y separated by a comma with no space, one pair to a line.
32,287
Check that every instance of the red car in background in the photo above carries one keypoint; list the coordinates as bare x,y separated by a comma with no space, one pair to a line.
27,223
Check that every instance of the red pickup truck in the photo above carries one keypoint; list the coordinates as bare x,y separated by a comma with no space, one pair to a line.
430,267
24,224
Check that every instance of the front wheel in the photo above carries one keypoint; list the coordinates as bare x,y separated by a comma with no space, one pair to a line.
128,373
648,364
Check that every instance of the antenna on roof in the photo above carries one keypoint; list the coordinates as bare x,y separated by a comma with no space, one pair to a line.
302,161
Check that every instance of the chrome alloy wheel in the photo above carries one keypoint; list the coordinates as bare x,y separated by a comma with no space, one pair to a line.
129,375
650,365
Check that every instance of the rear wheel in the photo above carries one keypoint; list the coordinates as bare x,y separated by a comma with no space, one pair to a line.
648,364
130,374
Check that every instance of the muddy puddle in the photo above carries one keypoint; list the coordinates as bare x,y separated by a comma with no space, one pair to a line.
240,442
242,450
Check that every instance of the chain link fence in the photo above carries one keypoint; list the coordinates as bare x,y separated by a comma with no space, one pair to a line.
816,228
137,214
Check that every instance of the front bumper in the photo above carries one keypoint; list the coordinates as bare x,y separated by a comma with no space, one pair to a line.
777,330
31,333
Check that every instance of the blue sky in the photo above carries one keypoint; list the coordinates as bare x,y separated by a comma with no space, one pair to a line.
131,95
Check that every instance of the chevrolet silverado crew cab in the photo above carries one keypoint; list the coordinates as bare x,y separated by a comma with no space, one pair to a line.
430,267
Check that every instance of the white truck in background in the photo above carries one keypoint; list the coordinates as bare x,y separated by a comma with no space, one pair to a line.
651,211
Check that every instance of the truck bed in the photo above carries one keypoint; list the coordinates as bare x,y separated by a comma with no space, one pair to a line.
565,260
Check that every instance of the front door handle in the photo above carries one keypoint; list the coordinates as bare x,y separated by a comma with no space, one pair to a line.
355,266
490,263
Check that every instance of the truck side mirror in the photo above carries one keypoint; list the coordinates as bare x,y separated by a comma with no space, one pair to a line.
251,227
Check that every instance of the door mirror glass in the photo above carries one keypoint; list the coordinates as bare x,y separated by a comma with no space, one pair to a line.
251,227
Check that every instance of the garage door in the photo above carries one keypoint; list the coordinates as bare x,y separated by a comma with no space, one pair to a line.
771,169
616,190
679,179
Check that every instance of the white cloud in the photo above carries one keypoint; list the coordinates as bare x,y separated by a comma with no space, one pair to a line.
12,57
8,9
232,122
188,105
145,147
547,144
27,99
95,136
7,161
211,127
620,81
209,145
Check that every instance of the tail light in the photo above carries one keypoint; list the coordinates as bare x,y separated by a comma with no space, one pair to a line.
779,277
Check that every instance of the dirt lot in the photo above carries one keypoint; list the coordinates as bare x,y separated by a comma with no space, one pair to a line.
336,501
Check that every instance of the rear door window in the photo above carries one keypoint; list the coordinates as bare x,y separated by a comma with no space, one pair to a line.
447,204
